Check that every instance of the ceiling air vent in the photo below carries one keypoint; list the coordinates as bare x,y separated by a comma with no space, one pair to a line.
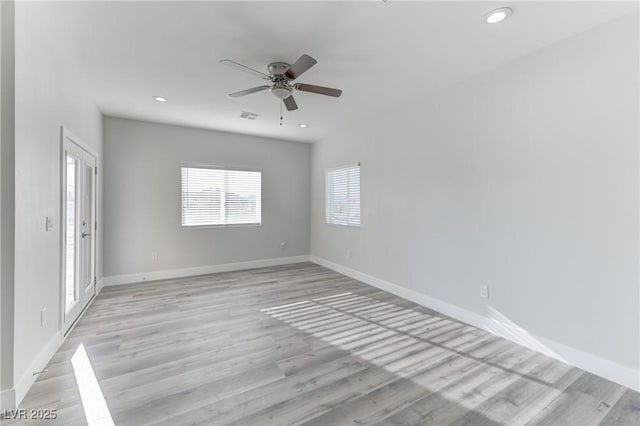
249,115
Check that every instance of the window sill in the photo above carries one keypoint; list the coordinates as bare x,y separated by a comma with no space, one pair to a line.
344,226
235,225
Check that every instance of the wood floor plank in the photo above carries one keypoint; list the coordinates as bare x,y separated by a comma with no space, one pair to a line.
299,343
626,412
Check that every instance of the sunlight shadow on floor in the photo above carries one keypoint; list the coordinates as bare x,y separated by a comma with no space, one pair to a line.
457,361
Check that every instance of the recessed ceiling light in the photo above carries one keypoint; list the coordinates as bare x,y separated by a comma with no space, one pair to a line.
160,98
498,15
303,125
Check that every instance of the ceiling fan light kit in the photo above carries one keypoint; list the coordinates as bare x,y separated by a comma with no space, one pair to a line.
281,91
281,75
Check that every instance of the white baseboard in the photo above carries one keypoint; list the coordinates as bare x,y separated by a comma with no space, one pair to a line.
11,398
610,370
27,379
99,286
200,270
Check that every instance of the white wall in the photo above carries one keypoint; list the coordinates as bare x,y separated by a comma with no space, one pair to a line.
49,94
7,200
142,198
524,178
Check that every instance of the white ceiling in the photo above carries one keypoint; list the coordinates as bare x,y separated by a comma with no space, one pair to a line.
381,55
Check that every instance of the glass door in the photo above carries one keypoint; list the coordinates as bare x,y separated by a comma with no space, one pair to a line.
79,223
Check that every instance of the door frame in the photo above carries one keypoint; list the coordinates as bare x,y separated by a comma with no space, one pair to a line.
66,137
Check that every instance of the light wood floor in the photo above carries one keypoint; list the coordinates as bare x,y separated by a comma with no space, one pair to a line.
302,344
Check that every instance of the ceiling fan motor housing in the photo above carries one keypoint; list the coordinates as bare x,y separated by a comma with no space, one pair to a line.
277,69
280,89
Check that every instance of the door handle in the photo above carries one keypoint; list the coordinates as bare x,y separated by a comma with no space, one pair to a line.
84,234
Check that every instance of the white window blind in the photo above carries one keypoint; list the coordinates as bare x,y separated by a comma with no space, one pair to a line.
221,197
343,195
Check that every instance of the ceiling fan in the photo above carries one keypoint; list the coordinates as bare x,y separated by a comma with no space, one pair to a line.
281,75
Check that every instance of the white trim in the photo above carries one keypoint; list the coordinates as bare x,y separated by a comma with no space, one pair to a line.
17,393
199,270
39,363
69,143
67,134
99,286
621,374
11,398
329,198
214,167
223,200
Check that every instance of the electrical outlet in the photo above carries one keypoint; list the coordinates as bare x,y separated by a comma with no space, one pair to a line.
154,256
48,223
348,254
484,291
43,317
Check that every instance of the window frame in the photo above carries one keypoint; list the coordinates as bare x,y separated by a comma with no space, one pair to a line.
215,167
326,194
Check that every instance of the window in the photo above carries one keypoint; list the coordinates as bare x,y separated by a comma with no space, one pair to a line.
221,197
343,195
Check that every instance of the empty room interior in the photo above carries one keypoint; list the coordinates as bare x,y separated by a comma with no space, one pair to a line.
321,213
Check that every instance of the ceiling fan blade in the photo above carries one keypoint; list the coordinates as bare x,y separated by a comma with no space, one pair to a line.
290,103
248,91
303,63
245,68
319,90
